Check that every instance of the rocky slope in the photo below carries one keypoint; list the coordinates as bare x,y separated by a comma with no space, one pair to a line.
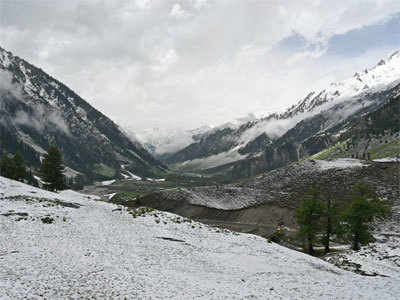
36,111
263,203
304,129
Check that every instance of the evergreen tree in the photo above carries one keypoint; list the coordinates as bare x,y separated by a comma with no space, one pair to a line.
331,220
51,170
308,216
20,169
364,208
7,167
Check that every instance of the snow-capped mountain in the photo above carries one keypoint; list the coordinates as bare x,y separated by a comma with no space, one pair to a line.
338,102
36,111
379,77
162,142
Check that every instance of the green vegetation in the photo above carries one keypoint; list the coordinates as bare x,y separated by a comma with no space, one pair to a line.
104,170
13,167
308,216
386,150
141,211
364,209
335,151
319,217
122,197
51,170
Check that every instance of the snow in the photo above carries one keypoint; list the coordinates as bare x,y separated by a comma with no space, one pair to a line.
110,196
212,161
97,252
386,159
133,176
125,176
129,175
340,163
380,258
69,172
108,182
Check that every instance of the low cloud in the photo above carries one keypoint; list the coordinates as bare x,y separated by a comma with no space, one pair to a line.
42,118
7,86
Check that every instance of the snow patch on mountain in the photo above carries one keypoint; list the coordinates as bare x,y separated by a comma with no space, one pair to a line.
340,163
211,161
168,140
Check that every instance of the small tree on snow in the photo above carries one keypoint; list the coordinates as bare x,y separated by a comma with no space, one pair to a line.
364,209
51,170
308,216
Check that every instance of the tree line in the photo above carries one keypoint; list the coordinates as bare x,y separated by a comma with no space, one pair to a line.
50,171
320,216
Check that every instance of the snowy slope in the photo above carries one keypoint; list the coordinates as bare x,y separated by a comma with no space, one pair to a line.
379,77
97,251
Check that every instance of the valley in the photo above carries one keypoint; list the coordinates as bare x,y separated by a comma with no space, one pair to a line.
301,202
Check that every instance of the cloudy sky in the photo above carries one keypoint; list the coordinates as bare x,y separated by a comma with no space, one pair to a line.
183,64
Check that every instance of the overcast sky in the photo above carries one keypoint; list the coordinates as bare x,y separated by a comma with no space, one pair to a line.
183,64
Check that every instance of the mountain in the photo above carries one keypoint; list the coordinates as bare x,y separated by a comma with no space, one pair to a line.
164,142
313,122
37,111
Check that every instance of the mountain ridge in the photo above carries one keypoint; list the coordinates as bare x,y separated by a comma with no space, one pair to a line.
38,110
251,138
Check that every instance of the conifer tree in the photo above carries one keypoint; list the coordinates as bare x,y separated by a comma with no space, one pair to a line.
20,169
7,167
308,216
364,209
331,219
51,170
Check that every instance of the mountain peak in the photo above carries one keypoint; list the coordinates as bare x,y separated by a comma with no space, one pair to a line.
5,58
395,54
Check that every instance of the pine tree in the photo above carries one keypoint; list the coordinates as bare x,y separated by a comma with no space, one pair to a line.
364,209
331,220
7,167
308,216
51,170
20,169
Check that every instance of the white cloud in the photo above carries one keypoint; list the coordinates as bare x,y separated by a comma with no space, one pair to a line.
185,63
178,12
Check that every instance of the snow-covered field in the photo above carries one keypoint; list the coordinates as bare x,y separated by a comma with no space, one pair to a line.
94,250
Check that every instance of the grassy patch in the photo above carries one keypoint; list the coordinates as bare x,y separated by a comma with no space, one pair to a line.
385,150
141,211
334,151
125,196
104,170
